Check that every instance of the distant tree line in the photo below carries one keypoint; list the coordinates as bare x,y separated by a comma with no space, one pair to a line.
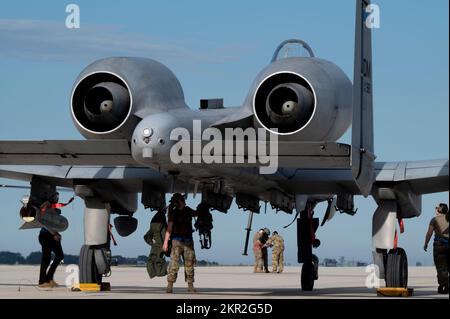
202,263
34,258
142,260
331,262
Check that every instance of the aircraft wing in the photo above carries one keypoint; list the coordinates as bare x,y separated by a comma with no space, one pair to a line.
117,153
424,177
127,177
69,152
67,161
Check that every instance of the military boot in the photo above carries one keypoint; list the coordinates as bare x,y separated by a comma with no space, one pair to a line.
443,289
191,288
169,289
45,285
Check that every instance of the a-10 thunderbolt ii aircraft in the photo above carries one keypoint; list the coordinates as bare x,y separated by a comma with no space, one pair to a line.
279,147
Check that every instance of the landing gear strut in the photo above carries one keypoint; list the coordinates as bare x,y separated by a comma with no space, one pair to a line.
391,260
94,261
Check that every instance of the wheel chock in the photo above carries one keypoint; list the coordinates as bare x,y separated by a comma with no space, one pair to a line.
395,292
104,286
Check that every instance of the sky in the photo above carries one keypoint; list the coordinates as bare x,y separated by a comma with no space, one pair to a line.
216,48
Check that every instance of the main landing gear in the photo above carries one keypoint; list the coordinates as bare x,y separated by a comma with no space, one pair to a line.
391,261
95,255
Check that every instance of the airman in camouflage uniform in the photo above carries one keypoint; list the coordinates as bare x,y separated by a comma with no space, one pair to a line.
179,230
257,250
439,226
277,243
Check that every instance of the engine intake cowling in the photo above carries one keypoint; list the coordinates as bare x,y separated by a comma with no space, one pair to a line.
112,95
303,99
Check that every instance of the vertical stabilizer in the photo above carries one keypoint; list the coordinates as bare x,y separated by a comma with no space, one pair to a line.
362,125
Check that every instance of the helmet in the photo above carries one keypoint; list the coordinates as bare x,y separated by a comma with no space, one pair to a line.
176,197
442,208
267,231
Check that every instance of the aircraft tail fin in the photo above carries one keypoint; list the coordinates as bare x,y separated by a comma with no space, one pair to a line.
362,126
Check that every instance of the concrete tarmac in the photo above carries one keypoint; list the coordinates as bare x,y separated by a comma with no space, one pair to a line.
224,282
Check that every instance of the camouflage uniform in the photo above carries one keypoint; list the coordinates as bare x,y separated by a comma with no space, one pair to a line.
185,249
277,242
257,250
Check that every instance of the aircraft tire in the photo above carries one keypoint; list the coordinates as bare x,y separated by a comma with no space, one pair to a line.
397,269
87,266
307,276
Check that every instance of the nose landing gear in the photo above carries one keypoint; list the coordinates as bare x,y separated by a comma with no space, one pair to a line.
310,273
306,241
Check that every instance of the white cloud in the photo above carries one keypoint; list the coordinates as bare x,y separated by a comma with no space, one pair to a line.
52,41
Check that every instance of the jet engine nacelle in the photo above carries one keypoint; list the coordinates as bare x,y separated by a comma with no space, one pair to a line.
306,99
111,95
